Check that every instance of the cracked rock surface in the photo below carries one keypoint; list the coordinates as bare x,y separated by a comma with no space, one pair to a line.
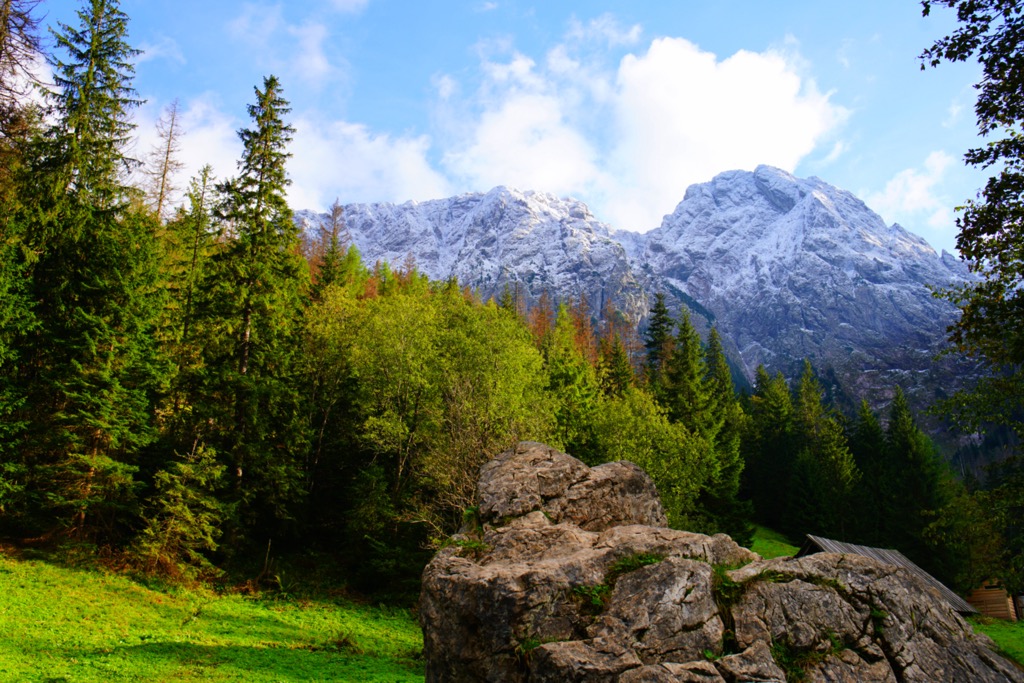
568,573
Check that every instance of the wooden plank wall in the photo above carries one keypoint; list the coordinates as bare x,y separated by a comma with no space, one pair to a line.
993,601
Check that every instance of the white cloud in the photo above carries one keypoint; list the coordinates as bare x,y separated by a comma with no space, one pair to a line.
165,48
629,139
914,199
350,6
447,87
350,162
605,28
296,51
257,24
683,116
525,142
487,7
309,61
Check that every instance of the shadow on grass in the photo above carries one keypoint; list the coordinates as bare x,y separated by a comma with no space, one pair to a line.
189,661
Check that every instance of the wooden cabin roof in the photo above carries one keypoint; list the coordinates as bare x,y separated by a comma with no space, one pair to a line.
816,544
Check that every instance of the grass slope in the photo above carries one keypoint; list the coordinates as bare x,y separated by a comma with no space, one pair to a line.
59,624
1009,636
769,544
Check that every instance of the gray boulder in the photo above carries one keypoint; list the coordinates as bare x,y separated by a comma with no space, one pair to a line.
568,573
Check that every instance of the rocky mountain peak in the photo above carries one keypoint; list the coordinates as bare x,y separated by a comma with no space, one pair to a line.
786,268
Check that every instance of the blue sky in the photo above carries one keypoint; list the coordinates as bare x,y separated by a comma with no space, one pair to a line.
620,104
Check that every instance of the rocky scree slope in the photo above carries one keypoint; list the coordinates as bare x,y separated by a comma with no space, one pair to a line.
568,573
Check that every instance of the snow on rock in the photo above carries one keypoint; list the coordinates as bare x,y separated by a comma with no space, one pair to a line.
500,238
785,268
791,268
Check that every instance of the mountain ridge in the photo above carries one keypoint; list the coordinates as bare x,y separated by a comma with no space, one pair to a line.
785,268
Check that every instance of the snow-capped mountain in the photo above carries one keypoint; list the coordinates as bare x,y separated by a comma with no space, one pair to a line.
789,269
500,238
785,268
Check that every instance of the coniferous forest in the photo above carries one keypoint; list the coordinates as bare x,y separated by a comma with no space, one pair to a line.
195,388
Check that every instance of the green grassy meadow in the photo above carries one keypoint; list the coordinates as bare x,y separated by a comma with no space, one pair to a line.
1009,636
60,624
769,544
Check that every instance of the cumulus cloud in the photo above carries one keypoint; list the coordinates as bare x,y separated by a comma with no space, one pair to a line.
350,162
913,197
309,61
683,116
526,142
629,138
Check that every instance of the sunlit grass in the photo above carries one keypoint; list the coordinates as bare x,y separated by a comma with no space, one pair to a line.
1009,635
769,544
84,625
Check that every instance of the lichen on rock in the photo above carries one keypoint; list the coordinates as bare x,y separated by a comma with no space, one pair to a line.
574,576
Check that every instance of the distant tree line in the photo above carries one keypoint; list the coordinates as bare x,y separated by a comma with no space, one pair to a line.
194,383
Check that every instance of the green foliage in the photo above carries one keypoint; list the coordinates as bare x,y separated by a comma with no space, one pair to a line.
722,499
573,385
658,341
1008,636
990,237
631,563
769,544
795,661
616,372
768,447
183,519
725,590
248,404
593,598
90,361
633,427
91,103
403,427
824,472
144,634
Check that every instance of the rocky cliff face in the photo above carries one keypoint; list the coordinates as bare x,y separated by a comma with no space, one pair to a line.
569,574
500,238
785,268
791,269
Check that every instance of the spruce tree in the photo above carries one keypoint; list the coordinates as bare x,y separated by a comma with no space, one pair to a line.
658,341
768,448
685,390
92,365
333,240
722,500
250,309
867,443
824,471
616,372
93,101
573,383
915,485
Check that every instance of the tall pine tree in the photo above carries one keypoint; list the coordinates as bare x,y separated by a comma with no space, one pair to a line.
251,305
92,366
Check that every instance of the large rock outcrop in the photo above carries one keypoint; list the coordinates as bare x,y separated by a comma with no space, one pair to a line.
568,573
